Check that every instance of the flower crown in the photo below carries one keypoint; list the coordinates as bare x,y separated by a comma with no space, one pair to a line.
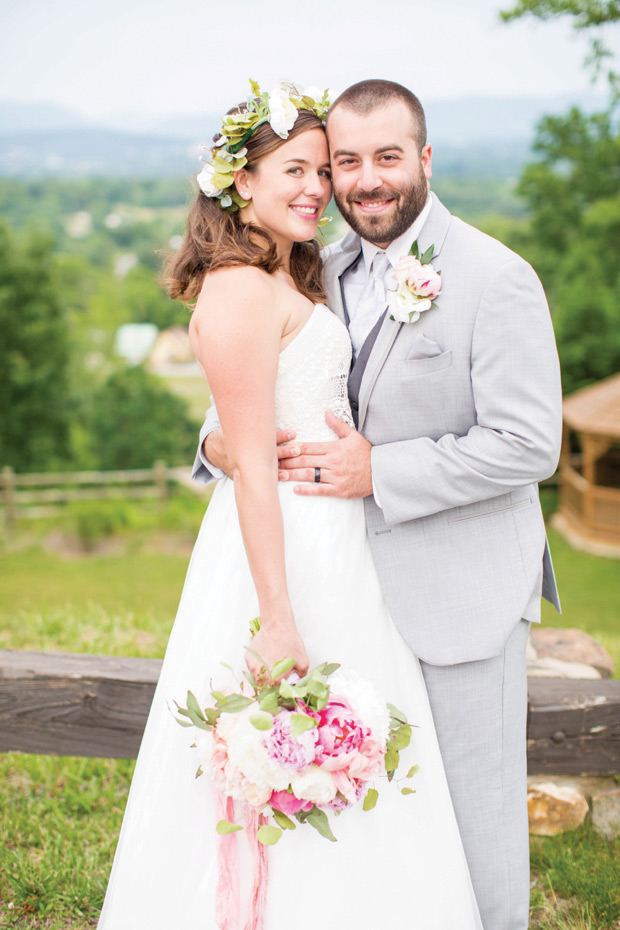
278,108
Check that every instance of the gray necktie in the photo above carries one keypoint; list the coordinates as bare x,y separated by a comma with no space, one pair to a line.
371,304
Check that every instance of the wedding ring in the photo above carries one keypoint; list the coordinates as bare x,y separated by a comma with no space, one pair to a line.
317,474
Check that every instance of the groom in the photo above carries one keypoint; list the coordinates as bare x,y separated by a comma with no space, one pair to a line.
459,417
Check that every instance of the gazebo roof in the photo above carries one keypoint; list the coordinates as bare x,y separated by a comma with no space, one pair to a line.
595,409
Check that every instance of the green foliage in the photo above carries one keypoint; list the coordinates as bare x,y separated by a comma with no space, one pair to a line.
34,356
135,420
586,15
566,860
574,239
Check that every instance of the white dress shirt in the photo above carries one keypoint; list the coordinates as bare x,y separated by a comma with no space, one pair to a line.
355,280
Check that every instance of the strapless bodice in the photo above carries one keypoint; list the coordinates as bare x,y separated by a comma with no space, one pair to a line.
312,377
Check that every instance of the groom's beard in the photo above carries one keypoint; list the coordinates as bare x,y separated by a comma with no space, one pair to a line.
408,204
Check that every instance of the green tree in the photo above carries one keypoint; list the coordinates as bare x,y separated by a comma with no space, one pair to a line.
34,357
572,192
587,15
135,420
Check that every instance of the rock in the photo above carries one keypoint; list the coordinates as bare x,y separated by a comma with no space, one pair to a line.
587,785
555,668
571,646
553,809
606,813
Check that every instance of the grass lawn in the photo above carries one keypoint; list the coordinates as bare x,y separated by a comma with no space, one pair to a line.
61,816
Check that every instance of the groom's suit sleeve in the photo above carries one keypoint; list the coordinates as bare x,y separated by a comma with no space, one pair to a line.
516,439
203,472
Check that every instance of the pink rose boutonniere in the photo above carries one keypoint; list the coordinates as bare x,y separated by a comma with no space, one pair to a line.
418,286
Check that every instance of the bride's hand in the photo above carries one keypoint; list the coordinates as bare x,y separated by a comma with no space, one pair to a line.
275,643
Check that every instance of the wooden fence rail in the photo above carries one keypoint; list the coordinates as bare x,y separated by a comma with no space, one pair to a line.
29,495
86,705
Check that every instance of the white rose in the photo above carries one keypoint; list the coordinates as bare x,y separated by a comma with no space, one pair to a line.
315,93
314,784
402,302
205,181
283,112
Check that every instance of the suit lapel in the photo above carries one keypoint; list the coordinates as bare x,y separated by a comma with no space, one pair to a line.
340,257
434,233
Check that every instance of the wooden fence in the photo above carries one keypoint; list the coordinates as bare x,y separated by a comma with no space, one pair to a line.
86,705
35,495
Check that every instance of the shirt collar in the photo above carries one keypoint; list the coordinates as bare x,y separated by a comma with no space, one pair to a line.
398,247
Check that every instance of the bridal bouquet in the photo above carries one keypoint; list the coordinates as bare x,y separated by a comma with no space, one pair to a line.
295,750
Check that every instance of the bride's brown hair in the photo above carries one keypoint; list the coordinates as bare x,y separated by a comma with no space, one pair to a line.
217,239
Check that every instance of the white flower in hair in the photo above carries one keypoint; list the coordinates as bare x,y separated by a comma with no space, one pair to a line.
205,181
283,112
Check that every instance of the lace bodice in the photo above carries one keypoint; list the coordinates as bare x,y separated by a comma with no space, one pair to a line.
312,378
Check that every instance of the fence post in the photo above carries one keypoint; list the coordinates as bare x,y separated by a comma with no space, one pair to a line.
161,474
8,483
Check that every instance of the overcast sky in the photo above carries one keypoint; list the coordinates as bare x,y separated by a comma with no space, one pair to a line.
158,57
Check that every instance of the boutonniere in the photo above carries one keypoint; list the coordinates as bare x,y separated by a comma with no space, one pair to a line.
418,285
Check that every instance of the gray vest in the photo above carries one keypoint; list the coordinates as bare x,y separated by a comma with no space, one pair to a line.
359,365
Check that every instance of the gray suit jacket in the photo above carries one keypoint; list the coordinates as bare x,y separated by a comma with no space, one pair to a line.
463,410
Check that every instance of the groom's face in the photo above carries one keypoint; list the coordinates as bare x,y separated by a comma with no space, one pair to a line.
379,175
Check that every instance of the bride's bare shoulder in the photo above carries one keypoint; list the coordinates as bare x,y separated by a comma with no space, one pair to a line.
237,290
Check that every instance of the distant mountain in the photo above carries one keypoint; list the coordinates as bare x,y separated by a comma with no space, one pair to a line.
471,136
17,117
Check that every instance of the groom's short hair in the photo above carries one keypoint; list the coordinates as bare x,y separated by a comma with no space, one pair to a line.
366,96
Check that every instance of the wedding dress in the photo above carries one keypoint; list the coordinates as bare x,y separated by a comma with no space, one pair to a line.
400,865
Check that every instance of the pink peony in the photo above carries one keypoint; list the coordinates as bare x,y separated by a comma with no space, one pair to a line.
423,280
292,752
288,803
341,735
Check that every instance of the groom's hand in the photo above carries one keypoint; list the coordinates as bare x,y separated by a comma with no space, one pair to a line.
214,448
344,463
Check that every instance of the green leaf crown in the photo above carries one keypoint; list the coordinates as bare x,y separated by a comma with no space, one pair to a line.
228,154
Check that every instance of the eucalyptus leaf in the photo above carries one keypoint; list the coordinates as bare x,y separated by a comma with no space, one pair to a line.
300,723
261,721
286,689
396,713
212,715
391,759
268,701
235,703
199,771
224,827
328,668
370,800
407,791
282,667
199,722
184,723
401,738
318,819
250,677
413,771
283,821
268,835
192,704
219,696
222,180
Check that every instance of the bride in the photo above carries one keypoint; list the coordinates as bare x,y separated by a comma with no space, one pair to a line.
275,357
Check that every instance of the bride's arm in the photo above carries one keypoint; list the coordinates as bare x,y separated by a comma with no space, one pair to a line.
236,332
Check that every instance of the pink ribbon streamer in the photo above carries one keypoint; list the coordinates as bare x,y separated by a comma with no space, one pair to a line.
227,895
227,905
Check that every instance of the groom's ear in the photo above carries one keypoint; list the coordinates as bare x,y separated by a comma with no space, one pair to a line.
426,157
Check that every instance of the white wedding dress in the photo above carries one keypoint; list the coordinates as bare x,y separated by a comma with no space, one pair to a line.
400,865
